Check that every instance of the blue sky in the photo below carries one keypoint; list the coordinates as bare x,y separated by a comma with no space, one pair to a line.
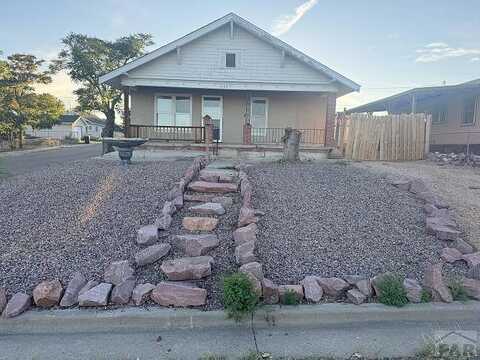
386,46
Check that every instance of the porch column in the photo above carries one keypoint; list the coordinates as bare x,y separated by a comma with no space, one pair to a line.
247,134
330,120
126,111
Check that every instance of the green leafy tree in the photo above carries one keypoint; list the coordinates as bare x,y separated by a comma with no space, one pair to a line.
19,105
86,58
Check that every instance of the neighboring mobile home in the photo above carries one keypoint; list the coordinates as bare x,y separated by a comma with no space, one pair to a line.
455,113
237,74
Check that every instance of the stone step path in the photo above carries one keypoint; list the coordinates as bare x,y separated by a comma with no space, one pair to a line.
188,268
197,245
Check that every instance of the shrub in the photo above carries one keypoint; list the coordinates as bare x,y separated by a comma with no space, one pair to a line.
425,296
239,296
289,298
458,290
392,291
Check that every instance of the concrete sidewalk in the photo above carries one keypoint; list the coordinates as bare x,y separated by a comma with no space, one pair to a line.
337,330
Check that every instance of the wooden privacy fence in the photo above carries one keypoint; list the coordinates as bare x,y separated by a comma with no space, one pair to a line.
388,138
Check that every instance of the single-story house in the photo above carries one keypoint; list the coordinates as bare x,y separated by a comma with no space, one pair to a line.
455,111
61,130
87,125
239,75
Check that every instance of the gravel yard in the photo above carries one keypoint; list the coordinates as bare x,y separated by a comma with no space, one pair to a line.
332,219
78,216
458,185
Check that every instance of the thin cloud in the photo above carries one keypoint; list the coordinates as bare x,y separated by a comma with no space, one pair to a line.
440,51
285,22
475,59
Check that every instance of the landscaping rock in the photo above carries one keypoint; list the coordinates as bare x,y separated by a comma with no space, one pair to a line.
178,202
463,246
48,293
431,198
333,286
117,272
365,287
451,255
312,290
212,187
226,201
417,186
3,299
141,293
18,303
163,222
245,253
175,192
178,294
256,284
70,297
414,290
442,228
245,234
474,272
433,281
253,268
297,289
353,279
356,297
152,254
89,285
168,208
121,293
197,245
401,184
147,235
188,268
221,176
430,209
269,292
377,279
472,288
210,208
199,223
96,296
246,216
199,197
472,259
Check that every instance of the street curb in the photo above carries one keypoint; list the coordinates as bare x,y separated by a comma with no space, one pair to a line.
154,319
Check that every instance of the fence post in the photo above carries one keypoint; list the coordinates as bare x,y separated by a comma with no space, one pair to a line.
207,122
330,120
247,134
428,129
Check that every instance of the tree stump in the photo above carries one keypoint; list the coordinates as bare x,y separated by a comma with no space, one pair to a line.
291,144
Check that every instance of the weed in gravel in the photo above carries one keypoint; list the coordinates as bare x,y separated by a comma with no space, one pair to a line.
212,357
429,351
239,296
392,291
289,298
458,290
425,296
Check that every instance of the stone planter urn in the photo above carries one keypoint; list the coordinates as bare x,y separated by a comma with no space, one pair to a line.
125,147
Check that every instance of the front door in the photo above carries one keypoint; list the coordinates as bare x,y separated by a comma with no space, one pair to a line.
213,107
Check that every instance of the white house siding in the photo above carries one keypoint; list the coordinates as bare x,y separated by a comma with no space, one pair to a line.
203,59
56,132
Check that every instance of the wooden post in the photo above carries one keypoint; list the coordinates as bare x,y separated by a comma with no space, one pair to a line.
247,134
126,111
291,144
330,120
207,123
414,104
428,129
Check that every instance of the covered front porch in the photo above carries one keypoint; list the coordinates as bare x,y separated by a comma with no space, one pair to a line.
239,117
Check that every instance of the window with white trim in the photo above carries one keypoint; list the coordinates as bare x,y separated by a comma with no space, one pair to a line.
230,60
439,114
173,110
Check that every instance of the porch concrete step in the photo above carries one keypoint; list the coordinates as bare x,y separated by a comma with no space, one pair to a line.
221,164
212,187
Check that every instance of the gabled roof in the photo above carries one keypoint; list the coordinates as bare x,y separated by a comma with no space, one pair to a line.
68,118
246,25
420,94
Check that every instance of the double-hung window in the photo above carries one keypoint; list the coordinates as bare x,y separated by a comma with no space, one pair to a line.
173,110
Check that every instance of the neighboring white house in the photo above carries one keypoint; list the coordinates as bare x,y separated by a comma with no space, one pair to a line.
71,125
